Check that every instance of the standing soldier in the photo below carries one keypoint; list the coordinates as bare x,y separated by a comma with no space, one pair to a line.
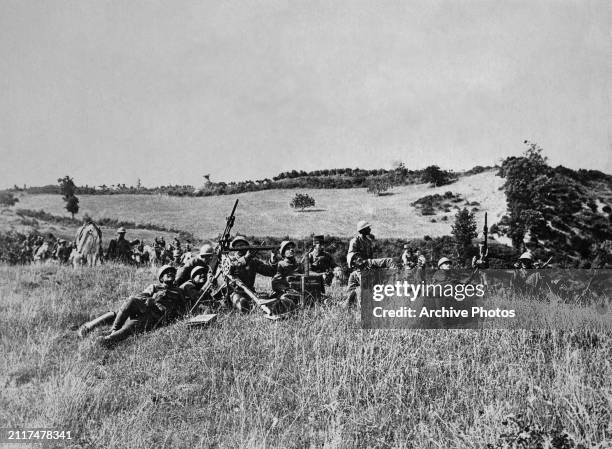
421,268
320,261
176,258
361,244
525,280
62,252
407,261
157,305
119,249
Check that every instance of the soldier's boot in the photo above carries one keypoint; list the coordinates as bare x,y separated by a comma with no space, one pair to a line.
102,320
130,327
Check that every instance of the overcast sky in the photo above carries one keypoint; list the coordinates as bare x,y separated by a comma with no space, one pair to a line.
166,91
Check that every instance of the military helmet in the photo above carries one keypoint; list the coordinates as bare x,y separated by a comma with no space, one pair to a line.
197,270
206,250
444,260
526,256
283,246
363,225
121,230
164,269
237,239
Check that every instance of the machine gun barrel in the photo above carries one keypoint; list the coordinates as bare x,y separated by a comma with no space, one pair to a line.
224,243
251,248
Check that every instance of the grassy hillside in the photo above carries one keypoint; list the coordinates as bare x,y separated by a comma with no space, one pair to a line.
317,380
268,212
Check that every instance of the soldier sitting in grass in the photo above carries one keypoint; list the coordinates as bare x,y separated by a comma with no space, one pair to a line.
287,266
157,305
320,261
245,267
205,259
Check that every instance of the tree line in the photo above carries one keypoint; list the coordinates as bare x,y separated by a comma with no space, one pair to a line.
377,180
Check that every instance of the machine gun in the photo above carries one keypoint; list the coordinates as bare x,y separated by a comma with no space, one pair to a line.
250,248
222,247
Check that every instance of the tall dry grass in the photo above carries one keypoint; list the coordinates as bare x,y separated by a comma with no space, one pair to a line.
316,380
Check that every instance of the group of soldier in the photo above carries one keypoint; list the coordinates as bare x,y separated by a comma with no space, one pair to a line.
205,280
37,248
135,252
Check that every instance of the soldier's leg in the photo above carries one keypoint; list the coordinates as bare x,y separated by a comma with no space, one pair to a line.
130,327
354,282
102,320
132,307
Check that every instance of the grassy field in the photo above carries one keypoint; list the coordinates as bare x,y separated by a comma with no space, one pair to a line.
268,212
316,380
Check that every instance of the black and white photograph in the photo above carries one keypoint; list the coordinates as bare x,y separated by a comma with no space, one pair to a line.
306,224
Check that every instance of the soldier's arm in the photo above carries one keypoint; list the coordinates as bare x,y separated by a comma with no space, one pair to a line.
265,269
353,246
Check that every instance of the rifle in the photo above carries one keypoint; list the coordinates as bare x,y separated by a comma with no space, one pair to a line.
484,253
223,246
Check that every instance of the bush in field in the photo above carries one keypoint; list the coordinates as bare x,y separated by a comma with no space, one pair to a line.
378,186
7,199
302,201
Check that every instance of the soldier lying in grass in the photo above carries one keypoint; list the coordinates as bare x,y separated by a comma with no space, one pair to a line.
156,306
192,289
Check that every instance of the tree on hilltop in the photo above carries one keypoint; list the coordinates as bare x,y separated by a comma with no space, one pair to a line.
436,176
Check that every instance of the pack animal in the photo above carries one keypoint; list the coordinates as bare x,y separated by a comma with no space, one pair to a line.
88,246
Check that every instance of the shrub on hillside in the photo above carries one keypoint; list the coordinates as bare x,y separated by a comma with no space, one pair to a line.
7,199
302,201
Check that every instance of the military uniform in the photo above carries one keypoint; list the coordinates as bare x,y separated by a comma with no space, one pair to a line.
62,253
246,268
320,261
362,245
354,281
183,273
120,250
156,305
